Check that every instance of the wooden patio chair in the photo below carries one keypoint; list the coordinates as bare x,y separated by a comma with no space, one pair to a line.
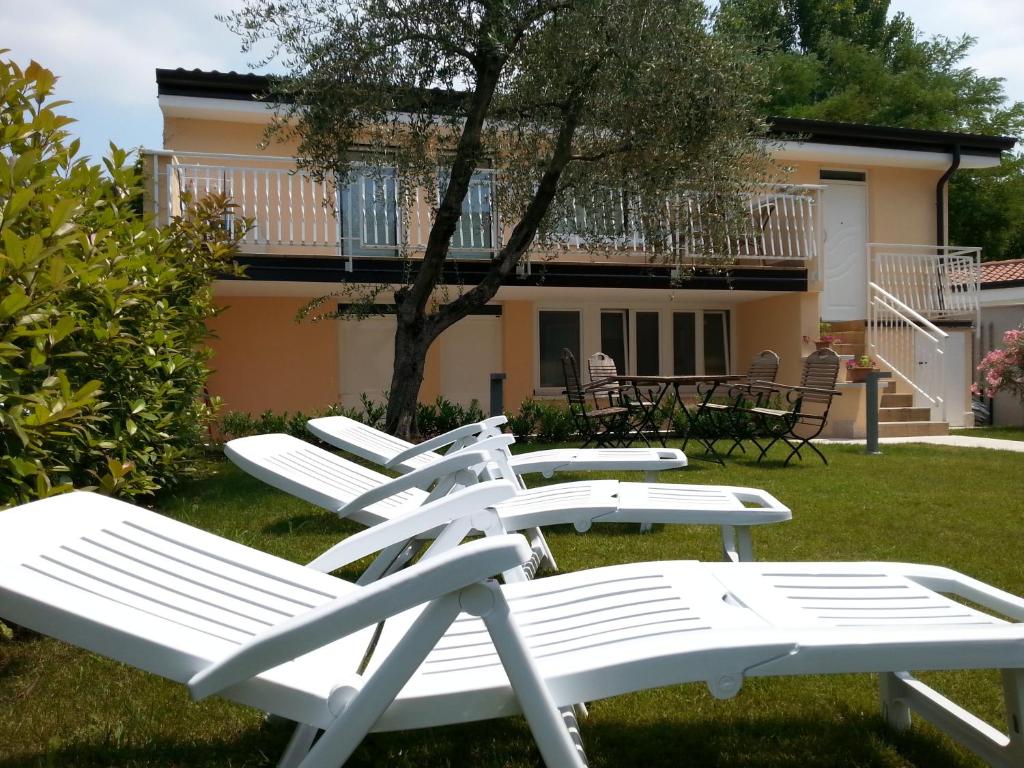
730,415
597,425
809,405
603,371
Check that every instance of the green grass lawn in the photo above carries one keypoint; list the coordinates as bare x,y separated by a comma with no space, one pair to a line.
1001,433
957,507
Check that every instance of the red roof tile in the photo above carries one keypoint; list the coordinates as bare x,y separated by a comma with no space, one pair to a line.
1007,271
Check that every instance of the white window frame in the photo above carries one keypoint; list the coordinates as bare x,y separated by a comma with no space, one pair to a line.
590,335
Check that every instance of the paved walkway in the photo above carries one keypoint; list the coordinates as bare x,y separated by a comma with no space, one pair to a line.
957,441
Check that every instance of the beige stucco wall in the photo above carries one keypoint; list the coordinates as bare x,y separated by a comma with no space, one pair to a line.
263,359
266,360
778,323
901,201
190,135
518,354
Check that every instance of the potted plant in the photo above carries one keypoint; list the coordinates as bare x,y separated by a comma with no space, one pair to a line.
825,338
857,370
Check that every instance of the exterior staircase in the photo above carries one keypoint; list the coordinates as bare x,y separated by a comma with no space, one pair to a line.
897,416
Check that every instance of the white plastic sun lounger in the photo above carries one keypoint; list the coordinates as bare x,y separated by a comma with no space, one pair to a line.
368,497
394,453
456,647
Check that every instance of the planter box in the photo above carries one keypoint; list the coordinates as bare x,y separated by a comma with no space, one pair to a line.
858,375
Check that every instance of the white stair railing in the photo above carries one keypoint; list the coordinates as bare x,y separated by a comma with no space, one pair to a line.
910,345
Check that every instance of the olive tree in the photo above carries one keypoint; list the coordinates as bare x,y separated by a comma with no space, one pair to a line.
568,100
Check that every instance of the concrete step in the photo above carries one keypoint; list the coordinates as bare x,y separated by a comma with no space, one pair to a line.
847,325
912,428
903,413
849,337
891,399
842,348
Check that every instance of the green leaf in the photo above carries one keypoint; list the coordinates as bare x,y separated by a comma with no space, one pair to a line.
13,302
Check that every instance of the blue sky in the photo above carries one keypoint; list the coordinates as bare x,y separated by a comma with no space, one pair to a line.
105,51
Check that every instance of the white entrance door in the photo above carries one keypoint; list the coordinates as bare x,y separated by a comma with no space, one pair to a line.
844,296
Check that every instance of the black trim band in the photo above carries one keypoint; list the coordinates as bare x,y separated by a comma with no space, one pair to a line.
371,270
490,310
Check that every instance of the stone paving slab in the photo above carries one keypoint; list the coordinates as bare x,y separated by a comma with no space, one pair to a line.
957,441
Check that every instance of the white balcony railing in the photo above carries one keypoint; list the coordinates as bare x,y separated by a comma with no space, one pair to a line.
376,215
939,282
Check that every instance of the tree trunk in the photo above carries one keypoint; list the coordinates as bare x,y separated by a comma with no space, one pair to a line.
411,345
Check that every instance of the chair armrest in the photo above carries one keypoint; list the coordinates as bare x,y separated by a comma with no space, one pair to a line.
423,477
474,502
449,437
416,585
817,390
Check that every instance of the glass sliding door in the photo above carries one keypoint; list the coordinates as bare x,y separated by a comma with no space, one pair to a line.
613,337
558,330
716,342
369,212
648,343
684,343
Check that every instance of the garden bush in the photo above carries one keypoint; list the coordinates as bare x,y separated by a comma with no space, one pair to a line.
102,316
432,419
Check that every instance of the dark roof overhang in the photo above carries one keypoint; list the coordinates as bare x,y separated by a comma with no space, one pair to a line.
249,87
863,135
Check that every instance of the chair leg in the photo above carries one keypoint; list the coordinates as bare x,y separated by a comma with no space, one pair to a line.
901,693
556,744
366,706
298,745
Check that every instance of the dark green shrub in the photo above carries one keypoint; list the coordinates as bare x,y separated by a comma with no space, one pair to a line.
102,316
554,423
523,423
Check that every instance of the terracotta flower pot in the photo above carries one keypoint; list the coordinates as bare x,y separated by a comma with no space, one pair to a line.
858,375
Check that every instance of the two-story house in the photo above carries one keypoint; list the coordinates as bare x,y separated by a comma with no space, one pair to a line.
855,237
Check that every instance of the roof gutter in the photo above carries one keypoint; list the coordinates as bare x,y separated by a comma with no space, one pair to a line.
940,198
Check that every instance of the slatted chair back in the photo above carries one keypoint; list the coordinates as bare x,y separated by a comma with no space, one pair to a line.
821,370
764,366
601,366
573,386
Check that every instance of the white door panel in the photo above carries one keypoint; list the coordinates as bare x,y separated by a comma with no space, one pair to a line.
367,356
844,296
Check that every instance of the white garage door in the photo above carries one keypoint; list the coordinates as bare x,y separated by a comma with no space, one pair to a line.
470,353
367,356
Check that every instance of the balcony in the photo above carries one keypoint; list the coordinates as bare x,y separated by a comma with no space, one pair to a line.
375,215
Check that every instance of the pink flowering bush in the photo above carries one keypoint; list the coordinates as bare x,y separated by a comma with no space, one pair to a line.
1002,370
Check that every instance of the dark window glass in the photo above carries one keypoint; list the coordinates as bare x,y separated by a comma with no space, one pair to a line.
558,330
613,338
716,347
647,357
684,357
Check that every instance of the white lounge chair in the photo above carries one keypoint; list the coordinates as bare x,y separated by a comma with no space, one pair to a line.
456,647
394,453
354,491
